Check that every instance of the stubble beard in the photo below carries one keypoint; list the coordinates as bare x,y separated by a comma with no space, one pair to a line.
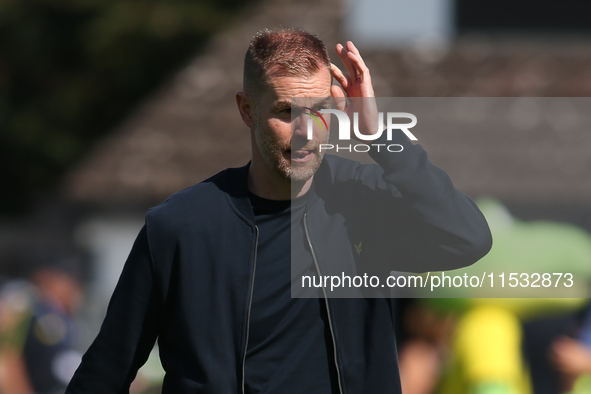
272,153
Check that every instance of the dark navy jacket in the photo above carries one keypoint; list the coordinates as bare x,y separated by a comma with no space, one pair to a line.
189,277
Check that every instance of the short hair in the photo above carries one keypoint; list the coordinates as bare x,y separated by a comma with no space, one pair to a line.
289,52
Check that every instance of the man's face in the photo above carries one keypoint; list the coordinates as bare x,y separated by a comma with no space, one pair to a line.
284,145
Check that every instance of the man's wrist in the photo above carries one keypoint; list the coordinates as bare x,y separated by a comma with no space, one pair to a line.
384,150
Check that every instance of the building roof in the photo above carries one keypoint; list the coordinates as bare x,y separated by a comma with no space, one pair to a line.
191,129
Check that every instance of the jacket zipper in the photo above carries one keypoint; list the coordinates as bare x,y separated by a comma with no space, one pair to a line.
254,267
334,342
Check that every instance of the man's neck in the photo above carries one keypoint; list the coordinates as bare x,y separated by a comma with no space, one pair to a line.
274,187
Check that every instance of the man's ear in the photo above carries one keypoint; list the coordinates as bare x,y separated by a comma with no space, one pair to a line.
246,108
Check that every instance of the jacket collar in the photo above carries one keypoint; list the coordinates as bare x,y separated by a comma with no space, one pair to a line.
235,184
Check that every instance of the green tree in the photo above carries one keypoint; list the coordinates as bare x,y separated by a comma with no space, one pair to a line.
71,69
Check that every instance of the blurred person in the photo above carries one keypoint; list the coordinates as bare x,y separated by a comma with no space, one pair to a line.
487,357
500,345
584,332
16,299
424,345
540,335
571,357
37,352
463,346
209,274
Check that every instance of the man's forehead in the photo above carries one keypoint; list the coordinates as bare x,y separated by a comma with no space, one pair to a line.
283,87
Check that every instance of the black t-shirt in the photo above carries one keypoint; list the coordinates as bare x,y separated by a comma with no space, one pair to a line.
289,347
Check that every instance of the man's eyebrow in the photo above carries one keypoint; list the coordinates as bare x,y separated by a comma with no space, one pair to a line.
283,104
324,102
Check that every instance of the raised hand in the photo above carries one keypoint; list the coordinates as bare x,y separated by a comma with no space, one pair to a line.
357,87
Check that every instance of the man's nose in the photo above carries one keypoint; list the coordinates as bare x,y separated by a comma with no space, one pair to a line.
298,127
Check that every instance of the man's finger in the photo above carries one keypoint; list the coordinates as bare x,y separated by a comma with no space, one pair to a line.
339,97
358,66
357,61
342,52
341,78
352,48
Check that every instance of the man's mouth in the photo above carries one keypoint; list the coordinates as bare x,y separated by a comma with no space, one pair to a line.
300,155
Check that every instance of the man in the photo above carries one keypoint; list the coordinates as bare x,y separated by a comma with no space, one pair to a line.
36,332
209,274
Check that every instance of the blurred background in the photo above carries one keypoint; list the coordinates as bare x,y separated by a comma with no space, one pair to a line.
108,107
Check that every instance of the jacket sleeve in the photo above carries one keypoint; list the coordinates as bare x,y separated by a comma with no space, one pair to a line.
442,228
128,332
